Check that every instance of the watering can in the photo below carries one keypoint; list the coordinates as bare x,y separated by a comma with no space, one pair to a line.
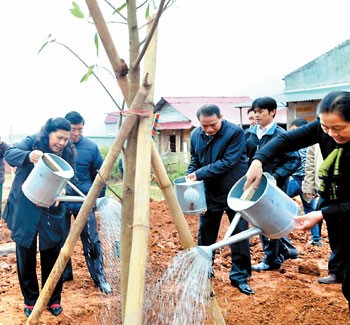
191,195
269,210
47,180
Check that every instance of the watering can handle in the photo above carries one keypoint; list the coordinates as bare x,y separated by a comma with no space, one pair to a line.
53,165
247,195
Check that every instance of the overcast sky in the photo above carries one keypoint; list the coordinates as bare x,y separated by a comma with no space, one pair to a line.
205,48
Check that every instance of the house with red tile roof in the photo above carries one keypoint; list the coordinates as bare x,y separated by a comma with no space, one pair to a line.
177,118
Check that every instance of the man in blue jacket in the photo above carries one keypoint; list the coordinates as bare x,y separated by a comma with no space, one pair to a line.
88,161
281,167
218,158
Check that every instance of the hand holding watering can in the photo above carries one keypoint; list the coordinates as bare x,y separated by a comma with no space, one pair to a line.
45,185
34,157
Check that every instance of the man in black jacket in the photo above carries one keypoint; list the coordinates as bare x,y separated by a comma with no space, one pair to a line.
218,158
281,167
88,161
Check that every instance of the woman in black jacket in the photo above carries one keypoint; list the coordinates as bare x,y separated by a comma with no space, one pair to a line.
27,221
332,131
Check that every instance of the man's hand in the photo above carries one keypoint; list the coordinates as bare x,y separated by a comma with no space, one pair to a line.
191,177
254,174
307,221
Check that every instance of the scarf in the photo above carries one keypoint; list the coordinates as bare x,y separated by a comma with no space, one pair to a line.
329,172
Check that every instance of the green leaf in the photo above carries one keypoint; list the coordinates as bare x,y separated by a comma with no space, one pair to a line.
76,10
147,11
96,43
120,8
88,74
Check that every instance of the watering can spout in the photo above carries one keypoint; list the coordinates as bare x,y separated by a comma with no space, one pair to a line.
207,251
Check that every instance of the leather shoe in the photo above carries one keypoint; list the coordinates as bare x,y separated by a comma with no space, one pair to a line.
245,288
291,254
330,279
28,310
55,309
315,242
264,267
105,287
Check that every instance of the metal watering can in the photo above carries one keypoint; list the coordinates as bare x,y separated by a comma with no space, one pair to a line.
191,195
269,210
47,179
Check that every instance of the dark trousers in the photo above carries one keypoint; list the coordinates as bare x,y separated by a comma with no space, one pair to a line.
338,230
26,268
275,250
1,186
209,225
91,247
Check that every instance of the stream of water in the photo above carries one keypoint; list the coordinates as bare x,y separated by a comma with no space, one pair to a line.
182,294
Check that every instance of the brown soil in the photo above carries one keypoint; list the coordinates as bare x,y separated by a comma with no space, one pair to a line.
290,295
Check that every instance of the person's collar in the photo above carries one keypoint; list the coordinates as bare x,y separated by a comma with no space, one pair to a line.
267,127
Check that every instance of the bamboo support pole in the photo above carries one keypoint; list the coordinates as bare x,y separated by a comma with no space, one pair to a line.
165,185
139,248
87,206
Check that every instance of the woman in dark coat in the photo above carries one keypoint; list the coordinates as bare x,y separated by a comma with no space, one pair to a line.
28,221
332,131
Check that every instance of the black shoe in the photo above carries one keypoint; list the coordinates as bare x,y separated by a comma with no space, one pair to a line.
244,288
28,310
105,287
291,254
55,309
330,279
265,267
315,242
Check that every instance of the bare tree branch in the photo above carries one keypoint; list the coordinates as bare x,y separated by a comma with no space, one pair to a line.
150,35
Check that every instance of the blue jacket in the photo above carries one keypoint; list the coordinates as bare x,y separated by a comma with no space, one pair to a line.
24,218
281,166
219,162
88,161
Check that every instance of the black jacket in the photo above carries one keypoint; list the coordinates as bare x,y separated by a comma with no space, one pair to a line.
281,166
24,218
306,136
219,162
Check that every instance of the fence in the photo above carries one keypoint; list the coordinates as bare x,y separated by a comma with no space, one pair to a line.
175,161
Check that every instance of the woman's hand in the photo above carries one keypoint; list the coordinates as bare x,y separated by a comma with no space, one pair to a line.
35,155
254,174
307,221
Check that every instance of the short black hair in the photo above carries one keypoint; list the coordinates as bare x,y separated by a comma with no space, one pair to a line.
265,103
298,122
74,118
208,110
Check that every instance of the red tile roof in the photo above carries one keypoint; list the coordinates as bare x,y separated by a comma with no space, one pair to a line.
187,106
